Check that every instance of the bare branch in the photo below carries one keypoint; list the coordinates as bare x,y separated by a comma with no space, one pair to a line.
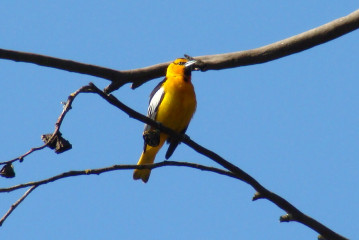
98,171
13,206
21,158
282,48
67,107
295,44
63,64
297,215
285,47
120,77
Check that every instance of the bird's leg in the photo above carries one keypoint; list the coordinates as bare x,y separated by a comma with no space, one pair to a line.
152,137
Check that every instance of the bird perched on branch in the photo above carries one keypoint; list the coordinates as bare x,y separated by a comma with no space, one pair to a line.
172,103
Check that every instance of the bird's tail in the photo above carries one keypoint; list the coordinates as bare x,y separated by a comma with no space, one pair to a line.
144,174
147,157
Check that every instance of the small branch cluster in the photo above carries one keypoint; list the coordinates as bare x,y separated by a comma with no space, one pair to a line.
54,140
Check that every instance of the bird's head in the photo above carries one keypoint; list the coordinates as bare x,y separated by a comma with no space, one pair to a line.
181,66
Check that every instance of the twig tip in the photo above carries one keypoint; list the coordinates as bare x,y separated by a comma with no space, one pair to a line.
257,196
286,218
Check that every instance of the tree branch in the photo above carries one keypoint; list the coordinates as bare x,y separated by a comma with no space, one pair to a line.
67,107
98,171
13,206
295,44
63,64
262,192
21,158
285,47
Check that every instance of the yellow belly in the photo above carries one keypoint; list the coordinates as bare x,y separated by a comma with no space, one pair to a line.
178,105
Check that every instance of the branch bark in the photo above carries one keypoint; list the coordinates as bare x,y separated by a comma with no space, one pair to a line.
137,77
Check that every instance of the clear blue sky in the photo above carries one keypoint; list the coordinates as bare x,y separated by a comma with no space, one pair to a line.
291,123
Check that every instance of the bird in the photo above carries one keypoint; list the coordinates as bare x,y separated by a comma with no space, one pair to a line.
173,104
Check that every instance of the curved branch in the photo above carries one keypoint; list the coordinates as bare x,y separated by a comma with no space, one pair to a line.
262,192
63,64
295,44
285,47
98,171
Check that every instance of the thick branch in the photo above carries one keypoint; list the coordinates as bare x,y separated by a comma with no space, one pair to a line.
282,48
59,63
295,44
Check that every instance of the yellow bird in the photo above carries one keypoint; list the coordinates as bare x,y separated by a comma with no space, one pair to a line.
172,103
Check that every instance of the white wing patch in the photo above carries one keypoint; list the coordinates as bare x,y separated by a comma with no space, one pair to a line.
154,103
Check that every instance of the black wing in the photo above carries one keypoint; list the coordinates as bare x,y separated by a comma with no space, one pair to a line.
173,145
156,98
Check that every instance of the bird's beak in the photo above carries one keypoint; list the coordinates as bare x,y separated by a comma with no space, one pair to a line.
190,65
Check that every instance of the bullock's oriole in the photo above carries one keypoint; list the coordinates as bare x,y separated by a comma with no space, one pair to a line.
172,103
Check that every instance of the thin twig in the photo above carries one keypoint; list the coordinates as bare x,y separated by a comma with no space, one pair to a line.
98,171
13,206
67,107
21,158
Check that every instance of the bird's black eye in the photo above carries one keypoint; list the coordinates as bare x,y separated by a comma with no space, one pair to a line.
181,63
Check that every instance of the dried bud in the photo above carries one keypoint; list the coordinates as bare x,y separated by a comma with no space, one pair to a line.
7,171
56,142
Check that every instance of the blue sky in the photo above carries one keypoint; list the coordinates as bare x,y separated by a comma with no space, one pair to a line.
291,123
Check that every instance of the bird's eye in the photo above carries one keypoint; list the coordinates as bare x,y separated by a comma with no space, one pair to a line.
181,63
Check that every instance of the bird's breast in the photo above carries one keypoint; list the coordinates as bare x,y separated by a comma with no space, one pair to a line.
178,105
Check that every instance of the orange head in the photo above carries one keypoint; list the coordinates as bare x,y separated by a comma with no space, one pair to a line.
182,67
